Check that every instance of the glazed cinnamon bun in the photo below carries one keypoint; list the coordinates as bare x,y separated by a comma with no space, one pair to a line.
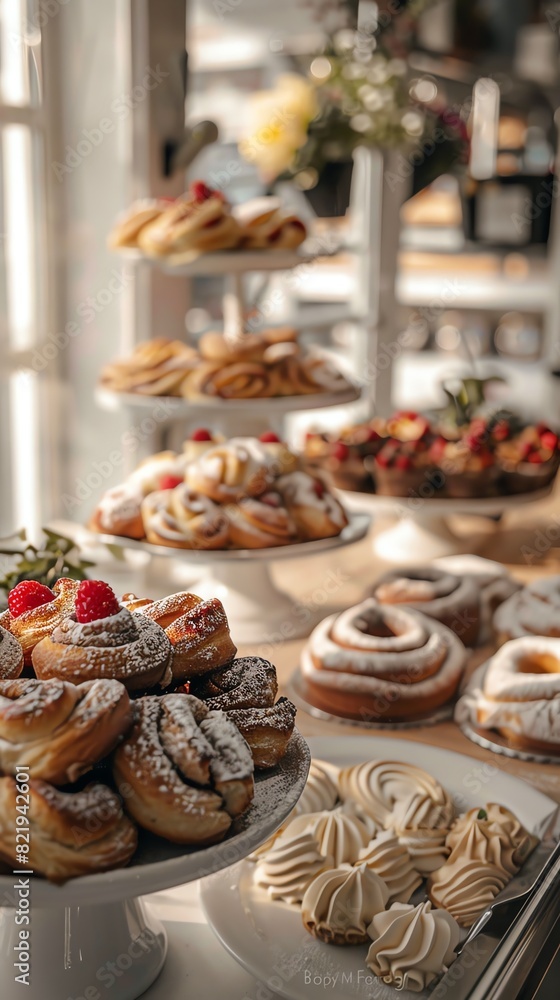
379,662
316,512
261,522
241,467
182,519
454,601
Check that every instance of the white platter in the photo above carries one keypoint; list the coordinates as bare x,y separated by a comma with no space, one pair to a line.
81,925
222,262
178,408
268,938
421,532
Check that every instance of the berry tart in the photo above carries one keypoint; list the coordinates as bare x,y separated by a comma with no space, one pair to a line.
529,459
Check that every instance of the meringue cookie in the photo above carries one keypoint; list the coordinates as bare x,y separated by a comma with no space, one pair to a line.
496,820
320,791
465,887
411,945
396,794
340,833
339,904
287,869
427,848
386,856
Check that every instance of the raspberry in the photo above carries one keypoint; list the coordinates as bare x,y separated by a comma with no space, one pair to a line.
403,462
269,437
28,595
501,431
372,435
319,488
549,440
169,482
200,191
341,451
201,434
535,458
95,600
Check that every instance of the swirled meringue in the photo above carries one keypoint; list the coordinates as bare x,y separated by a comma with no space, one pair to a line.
411,945
427,848
496,821
287,869
340,833
465,887
320,791
386,856
395,794
339,904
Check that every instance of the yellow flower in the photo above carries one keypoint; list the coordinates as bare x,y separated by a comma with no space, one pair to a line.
279,120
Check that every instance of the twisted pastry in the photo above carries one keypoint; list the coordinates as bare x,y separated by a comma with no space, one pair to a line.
315,511
249,682
191,226
240,380
264,225
11,656
129,224
31,627
71,833
119,512
228,472
197,630
266,730
157,367
451,600
187,770
517,694
59,730
123,647
150,472
261,522
375,661
535,610
183,519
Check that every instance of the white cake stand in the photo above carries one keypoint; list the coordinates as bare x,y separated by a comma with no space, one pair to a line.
421,532
94,933
258,611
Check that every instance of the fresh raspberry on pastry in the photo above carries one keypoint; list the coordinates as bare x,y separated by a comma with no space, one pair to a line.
169,482
28,595
95,599
269,437
201,434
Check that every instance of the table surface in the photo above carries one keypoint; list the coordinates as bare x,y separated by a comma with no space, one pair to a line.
527,540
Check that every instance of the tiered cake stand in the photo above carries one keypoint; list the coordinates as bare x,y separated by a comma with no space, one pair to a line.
241,579
421,531
95,932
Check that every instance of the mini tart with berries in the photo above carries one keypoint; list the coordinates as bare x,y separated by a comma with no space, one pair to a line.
405,468
529,460
101,639
468,466
342,458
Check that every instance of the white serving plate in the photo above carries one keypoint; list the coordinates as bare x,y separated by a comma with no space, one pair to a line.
267,938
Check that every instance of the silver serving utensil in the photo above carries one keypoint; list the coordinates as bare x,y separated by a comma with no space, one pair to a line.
532,874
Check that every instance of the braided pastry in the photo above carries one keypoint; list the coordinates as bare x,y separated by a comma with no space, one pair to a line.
11,656
187,770
60,730
124,647
182,519
535,610
71,833
32,626
379,662
198,631
249,682
267,730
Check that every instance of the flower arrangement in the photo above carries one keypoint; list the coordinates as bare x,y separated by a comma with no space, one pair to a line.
356,93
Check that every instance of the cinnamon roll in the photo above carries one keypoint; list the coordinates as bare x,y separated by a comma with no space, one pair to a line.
517,694
266,730
60,730
249,682
533,611
241,380
11,656
182,519
228,472
71,833
315,511
261,522
32,626
186,770
379,662
119,512
197,630
123,647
